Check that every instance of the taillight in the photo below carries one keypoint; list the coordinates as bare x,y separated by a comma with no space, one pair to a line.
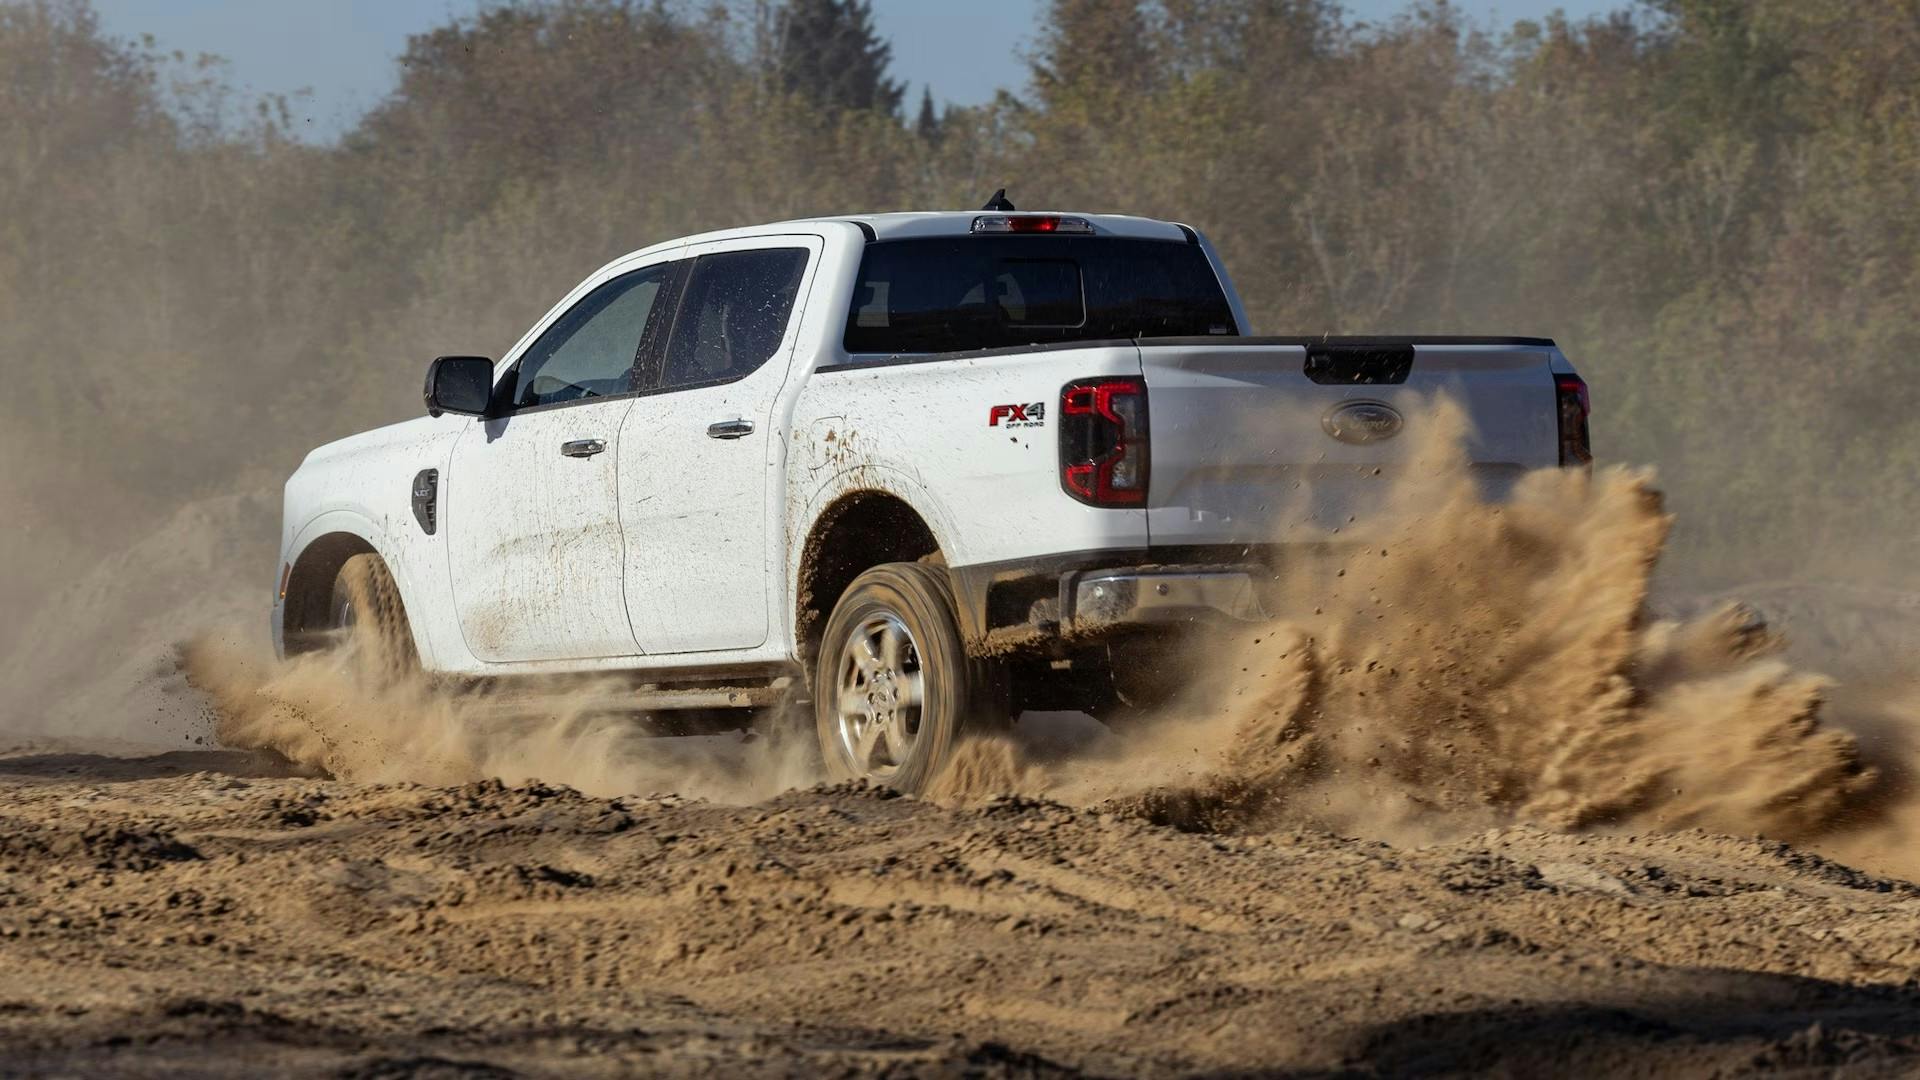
1570,396
1104,451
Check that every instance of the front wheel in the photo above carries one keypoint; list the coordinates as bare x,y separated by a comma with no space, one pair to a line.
894,688
370,623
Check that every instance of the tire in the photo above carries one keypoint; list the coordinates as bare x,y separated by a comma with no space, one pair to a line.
370,623
893,687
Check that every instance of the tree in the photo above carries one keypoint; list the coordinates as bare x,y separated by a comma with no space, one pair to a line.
928,125
1098,49
526,91
828,50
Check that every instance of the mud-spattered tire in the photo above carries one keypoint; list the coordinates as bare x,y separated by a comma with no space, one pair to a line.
371,623
893,687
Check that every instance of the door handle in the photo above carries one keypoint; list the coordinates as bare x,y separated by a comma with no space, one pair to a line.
583,447
730,429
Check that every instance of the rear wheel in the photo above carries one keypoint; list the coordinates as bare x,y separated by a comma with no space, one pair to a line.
894,688
371,623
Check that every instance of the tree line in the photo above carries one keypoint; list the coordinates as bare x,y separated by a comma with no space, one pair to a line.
1714,205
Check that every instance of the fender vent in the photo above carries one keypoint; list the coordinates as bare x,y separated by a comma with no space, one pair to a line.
426,499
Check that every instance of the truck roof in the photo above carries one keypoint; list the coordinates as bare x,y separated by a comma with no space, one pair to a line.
907,225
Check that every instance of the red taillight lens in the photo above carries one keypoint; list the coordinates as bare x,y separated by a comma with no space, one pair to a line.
1570,397
1105,455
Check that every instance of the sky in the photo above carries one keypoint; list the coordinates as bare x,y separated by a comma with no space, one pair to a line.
337,56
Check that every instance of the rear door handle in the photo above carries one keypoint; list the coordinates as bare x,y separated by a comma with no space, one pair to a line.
730,429
583,447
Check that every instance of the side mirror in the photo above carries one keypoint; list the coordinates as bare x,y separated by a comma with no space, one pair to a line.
459,384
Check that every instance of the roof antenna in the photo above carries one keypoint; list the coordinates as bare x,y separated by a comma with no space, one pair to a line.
999,202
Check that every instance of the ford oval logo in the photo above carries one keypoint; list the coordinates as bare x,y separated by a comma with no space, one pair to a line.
1361,422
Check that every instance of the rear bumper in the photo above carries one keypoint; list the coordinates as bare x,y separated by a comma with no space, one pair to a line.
1089,595
1100,600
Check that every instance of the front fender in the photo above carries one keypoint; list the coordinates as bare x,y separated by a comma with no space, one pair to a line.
350,523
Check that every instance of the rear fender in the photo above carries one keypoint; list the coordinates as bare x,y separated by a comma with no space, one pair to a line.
878,479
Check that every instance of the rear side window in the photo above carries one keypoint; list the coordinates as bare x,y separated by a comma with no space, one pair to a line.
952,294
733,316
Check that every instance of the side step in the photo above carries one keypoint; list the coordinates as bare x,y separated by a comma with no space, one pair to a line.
710,697
588,698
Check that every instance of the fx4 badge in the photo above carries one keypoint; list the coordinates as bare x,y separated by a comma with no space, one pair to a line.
1034,415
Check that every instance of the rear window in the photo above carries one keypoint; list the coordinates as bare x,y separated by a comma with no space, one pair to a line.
953,294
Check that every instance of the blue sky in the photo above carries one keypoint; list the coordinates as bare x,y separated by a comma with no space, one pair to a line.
342,51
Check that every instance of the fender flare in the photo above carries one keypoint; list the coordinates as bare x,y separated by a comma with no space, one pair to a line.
856,479
356,524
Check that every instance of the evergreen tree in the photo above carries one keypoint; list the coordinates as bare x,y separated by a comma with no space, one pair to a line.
928,125
829,51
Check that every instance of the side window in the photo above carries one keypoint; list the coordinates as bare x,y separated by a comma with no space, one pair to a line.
590,351
733,316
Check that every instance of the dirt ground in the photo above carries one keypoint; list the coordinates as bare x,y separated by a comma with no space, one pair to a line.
206,913
1484,806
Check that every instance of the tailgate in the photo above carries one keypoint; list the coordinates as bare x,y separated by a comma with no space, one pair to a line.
1264,441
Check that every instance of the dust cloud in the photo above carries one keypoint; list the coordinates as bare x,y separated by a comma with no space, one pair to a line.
1475,664
321,709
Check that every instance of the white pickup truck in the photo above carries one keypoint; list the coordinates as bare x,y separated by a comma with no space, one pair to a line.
920,471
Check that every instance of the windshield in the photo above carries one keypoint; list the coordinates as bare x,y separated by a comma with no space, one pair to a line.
959,293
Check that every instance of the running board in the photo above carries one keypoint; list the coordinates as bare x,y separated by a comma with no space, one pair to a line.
711,697
602,699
